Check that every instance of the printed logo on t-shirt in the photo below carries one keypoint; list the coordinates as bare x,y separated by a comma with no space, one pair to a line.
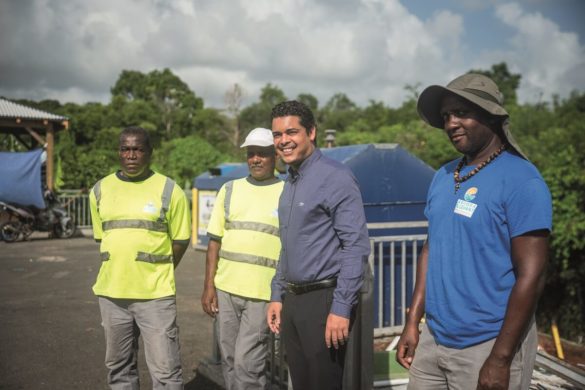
470,194
465,208
150,208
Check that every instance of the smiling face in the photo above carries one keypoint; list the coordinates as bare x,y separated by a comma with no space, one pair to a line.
261,162
467,129
134,155
292,140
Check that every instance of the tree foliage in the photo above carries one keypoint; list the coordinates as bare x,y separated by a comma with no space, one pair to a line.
184,158
258,114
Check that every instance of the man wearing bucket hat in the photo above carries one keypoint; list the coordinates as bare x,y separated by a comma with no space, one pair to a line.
242,254
481,270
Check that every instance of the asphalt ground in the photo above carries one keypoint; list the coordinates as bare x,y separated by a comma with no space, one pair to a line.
50,332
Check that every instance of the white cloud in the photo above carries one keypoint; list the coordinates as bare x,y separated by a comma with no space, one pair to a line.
368,49
551,61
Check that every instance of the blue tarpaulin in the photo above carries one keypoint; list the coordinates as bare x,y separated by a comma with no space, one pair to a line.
20,178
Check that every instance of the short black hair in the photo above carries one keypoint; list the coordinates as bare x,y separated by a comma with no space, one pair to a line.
295,108
138,132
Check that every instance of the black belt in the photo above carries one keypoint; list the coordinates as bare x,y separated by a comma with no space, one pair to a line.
301,288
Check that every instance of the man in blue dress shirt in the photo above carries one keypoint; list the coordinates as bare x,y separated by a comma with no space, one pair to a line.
324,251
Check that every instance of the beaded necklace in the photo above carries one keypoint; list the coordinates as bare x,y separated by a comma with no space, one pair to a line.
479,167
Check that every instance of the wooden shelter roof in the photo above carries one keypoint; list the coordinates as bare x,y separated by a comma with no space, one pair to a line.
32,128
14,116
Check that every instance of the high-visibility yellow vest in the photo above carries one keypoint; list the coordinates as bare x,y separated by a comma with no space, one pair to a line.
245,218
137,223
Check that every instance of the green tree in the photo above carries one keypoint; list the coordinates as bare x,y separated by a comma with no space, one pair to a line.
339,113
556,145
376,115
309,100
258,114
173,102
184,158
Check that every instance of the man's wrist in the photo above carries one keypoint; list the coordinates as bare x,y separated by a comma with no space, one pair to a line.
340,309
275,297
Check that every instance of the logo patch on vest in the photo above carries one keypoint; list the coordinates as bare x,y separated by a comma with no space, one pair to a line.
465,208
150,208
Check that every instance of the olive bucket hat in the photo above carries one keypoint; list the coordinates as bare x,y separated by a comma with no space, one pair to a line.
475,88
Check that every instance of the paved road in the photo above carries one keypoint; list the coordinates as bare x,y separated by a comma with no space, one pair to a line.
50,333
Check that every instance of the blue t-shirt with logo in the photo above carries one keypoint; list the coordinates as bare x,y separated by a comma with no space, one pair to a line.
470,273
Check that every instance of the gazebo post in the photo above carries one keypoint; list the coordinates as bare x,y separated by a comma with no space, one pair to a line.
50,154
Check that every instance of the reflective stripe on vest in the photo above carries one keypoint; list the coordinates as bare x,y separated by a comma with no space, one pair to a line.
255,226
151,258
166,199
247,258
97,191
160,225
154,226
229,187
245,225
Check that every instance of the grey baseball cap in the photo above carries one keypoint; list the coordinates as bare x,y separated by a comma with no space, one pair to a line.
475,88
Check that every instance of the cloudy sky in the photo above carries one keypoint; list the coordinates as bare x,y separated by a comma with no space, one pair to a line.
74,50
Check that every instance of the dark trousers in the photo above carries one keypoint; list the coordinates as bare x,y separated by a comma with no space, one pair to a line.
312,365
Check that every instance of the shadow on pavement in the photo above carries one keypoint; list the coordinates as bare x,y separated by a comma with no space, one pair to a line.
201,383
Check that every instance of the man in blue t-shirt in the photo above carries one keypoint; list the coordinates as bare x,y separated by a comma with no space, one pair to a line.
482,268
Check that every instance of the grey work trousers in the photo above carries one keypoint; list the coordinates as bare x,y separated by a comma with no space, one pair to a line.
243,341
124,320
436,367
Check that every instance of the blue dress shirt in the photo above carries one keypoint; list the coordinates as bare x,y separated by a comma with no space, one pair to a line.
323,230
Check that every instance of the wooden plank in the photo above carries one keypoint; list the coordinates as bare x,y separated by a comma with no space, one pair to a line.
35,135
50,145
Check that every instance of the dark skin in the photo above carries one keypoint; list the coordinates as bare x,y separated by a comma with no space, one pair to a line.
135,156
261,163
179,250
471,134
209,296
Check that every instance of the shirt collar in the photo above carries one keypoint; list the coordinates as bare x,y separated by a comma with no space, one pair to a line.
266,182
120,176
305,165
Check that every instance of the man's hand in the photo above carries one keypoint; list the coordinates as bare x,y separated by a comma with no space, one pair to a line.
273,316
336,331
407,345
494,374
209,301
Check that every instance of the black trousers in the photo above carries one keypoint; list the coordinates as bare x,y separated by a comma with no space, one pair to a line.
312,365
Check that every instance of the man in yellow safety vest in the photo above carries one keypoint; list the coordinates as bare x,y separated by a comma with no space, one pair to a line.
142,221
242,254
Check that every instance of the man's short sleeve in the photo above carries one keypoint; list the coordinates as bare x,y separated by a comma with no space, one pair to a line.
179,216
529,208
216,225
